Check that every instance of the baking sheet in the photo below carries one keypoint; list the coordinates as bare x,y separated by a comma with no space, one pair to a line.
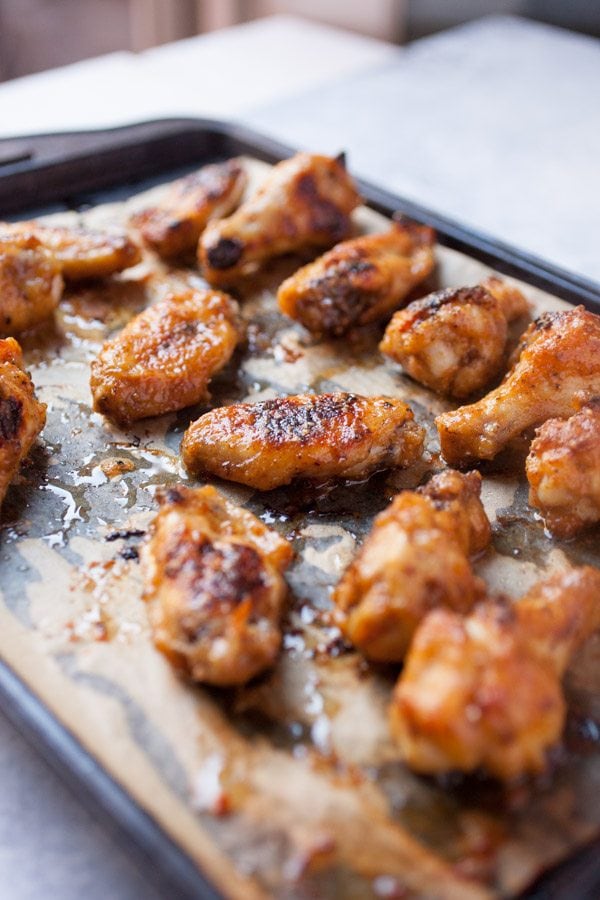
290,786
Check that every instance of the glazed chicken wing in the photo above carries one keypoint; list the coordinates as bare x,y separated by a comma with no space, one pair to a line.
213,577
563,470
304,202
30,283
81,253
268,444
22,417
359,281
558,369
164,358
416,558
484,691
454,341
173,226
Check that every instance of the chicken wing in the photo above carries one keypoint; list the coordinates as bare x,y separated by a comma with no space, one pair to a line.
30,283
557,369
454,341
164,358
359,281
563,470
22,417
416,558
267,444
174,225
81,253
305,201
484,691
213,577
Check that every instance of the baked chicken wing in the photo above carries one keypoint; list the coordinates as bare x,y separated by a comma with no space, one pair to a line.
304,202
268,444
164,358
563,470
174,225
454,341
484,691
415,559
81,253
213,577
359,281
22,417
557,369
30,283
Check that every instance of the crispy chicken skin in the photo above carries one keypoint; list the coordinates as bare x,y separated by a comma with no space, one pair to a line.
304,202
267,444
81,253
415,558
174,225
360,280
22,417
484,691
213,576
30,283
454,341
557,369
563,470
164,358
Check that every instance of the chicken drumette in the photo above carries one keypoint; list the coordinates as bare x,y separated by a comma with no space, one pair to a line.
304,202
416,558
558,369
164,358
563,470
268,444
454,341
30,283
484,691
174,225
359,281
213,577
22,417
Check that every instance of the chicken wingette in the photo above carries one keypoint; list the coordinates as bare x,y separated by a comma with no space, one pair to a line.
557,369
164,358
305,202
416,558
563,470
173,226
359,281
454,341
213,576
484,691
30,283
22,417
267,444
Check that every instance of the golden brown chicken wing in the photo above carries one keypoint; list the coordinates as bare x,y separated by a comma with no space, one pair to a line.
164,358
30,283
213,577
454,341
563,470
359,281
22,417
268,444
80,252
173,226
484,691
415,559
557,369
305,201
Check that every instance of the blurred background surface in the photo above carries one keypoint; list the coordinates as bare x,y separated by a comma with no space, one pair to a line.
41,34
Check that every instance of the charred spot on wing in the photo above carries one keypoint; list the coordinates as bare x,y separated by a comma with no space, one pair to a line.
223,574
420,233
341,158
225,254
324,215
11,414
172,496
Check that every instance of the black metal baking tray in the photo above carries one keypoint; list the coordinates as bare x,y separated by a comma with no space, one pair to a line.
63,170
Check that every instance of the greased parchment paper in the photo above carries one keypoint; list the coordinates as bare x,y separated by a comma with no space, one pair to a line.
291,786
